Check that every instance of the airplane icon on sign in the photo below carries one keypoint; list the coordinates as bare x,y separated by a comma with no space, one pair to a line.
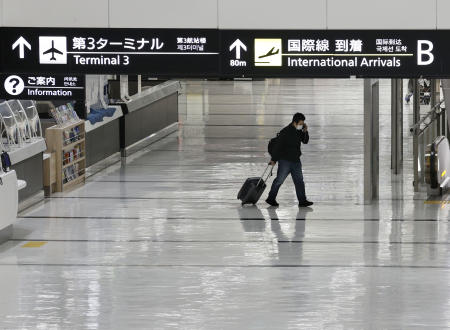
270,53
53,51
273,57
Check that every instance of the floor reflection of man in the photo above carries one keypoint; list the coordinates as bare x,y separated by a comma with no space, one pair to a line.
289,244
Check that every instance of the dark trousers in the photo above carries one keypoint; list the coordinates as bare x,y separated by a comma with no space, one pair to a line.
284,169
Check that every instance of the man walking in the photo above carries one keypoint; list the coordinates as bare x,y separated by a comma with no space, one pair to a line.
287,153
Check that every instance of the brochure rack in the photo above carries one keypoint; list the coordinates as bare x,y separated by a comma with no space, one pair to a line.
69,145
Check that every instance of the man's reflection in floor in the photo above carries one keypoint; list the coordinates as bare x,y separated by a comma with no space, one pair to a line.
286,233
289,235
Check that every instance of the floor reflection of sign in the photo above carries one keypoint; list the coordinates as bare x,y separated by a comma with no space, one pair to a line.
14,85
53,50
268,52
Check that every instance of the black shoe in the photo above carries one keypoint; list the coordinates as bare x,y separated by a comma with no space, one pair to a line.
272,202
305,204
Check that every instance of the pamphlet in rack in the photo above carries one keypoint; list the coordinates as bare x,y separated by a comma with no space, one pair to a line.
64,114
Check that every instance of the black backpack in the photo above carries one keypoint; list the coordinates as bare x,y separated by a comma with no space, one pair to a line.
6,162
272,144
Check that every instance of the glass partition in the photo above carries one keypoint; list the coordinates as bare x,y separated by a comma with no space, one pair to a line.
35,128
9,127
21,120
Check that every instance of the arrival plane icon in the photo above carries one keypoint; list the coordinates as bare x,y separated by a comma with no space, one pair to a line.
268,52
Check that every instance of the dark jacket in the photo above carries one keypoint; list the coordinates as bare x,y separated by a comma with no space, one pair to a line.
288,144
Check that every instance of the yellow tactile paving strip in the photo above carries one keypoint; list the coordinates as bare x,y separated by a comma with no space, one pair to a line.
33,244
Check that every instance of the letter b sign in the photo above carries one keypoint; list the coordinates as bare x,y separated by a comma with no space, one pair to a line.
424,54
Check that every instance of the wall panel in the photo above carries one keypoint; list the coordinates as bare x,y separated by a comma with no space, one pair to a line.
55,13
229,14
443,14
1,12
163,14
269,14
382,14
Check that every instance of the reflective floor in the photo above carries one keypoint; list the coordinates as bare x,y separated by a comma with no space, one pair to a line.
161,242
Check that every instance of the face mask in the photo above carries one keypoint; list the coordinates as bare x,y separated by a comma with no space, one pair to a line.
299,127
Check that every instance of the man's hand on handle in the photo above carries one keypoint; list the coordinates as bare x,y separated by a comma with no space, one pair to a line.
272,163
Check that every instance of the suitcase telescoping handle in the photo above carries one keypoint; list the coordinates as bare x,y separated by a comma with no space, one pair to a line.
264,173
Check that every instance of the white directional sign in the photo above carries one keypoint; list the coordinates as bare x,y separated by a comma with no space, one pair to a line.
238,45
53,50
21,43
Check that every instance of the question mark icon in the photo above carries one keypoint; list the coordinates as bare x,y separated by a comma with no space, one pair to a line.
14,82
14,85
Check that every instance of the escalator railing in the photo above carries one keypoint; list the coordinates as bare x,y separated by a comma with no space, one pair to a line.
433,157
437,164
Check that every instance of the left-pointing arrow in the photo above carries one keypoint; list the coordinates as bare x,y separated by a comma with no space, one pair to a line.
21,43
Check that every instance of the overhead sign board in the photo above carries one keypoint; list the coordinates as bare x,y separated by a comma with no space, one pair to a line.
81,50
42,87
332,53
227,53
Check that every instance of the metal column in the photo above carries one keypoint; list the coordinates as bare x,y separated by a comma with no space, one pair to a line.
416,119
124,90
435,97
371,139
396,125
139,83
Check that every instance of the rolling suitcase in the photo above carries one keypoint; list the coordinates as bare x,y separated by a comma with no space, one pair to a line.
253,188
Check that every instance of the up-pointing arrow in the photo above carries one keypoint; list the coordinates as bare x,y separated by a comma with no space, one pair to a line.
21,43
238,45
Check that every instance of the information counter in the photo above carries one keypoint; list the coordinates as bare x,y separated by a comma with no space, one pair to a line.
27,161
9,188
149,116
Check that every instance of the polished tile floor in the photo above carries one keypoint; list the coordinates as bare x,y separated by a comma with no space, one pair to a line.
162,243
